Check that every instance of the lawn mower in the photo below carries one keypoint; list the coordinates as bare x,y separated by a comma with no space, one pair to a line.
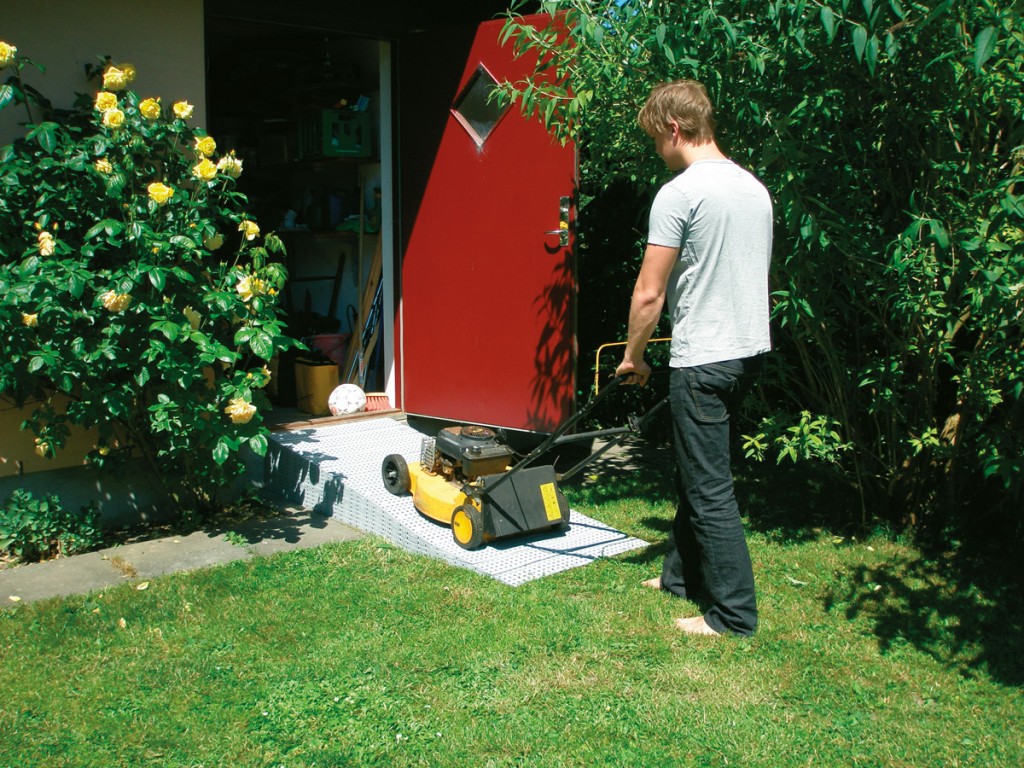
467,477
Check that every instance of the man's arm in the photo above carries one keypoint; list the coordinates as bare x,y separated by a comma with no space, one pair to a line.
645,310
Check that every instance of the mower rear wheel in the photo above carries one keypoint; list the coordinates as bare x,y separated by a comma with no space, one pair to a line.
395,474
467,526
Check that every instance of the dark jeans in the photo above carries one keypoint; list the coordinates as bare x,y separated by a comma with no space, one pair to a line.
707,559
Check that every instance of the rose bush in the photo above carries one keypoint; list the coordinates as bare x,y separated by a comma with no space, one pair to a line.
134,287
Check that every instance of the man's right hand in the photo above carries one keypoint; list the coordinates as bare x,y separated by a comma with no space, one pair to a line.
634,372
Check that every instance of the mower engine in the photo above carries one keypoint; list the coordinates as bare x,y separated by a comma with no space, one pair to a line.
463,454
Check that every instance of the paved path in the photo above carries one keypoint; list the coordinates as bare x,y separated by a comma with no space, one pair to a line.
295,529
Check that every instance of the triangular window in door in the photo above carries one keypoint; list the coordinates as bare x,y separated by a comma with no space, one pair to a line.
475,110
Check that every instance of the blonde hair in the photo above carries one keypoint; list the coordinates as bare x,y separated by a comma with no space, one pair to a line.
684,101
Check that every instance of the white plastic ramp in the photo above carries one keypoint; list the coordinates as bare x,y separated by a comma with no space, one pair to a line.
335,470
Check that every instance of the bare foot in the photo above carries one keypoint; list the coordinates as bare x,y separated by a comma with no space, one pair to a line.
654,583
695,625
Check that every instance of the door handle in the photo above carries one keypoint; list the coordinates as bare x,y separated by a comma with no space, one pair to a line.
563,222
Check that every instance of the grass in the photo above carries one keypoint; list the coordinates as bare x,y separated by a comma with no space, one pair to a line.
869,653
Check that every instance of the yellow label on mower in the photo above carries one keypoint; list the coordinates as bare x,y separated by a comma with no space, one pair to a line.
550,497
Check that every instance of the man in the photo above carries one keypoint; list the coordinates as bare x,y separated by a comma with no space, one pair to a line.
707,254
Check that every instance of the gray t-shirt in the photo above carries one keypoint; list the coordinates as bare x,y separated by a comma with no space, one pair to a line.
720,218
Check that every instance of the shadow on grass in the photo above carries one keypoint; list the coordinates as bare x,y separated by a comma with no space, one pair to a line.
786,503
640,470
961,608
792,503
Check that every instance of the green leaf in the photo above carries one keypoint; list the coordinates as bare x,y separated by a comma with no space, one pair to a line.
939,234
6,94
76,284
184,275
170,330
828,21
46,135
984,47
937,11
158,278
258,444
262,345
871,54
860,41
730,31
95,229
221,451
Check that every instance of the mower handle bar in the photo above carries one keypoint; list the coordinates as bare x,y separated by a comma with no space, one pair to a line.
557,437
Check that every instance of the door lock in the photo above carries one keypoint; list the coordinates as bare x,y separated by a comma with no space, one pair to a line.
563,222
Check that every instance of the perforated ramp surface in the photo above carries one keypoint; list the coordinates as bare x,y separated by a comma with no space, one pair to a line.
335,470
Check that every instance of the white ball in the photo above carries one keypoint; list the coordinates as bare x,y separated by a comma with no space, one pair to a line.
346,398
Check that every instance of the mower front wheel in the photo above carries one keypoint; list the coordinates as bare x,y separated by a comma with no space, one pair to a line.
395,474
467,526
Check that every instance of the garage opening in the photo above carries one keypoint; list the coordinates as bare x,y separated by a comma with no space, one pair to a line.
308,111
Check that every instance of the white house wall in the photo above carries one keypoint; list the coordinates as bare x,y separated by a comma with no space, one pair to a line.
163,40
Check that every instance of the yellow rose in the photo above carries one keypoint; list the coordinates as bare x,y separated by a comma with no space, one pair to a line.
114,79
183,109
240,411
7,54
205,145
129,71
103,165
46,244
42,448
31,321
244,288
159,193
204,170
250,286
230,165
106,100
250,228
214,242
150,108
116,302
113,118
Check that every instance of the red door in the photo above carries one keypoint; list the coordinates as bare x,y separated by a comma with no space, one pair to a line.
488,286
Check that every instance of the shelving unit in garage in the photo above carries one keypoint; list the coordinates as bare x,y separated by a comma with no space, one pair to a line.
312,164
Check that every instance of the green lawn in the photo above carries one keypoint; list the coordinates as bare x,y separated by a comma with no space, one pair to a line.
869,653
